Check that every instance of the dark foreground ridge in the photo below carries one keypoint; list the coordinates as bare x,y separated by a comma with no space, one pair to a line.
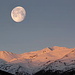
49,72
42,72
4,73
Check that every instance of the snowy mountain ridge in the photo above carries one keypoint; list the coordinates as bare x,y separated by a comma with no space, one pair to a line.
32,62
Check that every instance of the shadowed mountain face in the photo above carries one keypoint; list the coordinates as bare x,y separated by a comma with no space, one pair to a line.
48,61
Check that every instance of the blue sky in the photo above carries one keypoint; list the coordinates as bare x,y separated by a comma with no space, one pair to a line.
48,23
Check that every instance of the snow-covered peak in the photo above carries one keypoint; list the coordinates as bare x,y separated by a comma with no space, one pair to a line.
59,52
34,54
33,61
45,50
57,47
49,52
7,56
4,52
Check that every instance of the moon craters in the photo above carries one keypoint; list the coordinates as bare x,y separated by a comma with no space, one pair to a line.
18,14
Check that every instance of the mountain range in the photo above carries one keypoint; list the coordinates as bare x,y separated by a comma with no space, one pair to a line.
48,61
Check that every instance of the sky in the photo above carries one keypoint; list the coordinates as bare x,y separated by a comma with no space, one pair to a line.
48,23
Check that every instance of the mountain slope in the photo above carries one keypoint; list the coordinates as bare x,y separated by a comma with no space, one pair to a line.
65,63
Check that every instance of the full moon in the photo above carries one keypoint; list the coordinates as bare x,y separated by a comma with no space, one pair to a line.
18,14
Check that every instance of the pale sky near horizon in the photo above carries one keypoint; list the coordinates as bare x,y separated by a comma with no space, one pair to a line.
48,23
